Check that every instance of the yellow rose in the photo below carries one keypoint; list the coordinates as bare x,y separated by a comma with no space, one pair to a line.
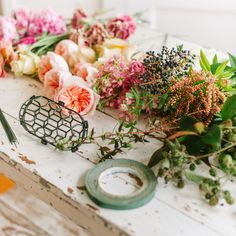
26,64
113,47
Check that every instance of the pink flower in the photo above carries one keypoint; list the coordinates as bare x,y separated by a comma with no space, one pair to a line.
50,61
48,21
121,27
23,17
7,29
86,71
54,82
27,40
78,97
69,50
77,19
111,76
95,34
136,67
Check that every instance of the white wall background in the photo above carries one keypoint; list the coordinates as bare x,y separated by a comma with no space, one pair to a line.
210,23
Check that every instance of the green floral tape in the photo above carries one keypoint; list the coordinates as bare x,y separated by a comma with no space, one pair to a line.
146,184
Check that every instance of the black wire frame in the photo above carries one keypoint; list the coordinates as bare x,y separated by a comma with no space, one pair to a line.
53,123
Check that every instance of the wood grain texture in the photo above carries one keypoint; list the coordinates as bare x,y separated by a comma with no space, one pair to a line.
23,214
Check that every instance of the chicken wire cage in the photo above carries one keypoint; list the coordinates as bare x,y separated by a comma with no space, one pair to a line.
53,123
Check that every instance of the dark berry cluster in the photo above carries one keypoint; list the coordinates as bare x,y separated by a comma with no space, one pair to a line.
161,67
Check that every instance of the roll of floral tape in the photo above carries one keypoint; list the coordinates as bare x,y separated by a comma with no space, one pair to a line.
144,176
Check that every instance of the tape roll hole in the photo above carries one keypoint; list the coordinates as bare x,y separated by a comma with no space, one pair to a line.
120,181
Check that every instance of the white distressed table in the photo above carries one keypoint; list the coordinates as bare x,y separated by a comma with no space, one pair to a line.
57,178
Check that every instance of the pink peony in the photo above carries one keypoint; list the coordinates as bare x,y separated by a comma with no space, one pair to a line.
50,61
7,29
48,21
121,27
69,50
54,82
23,18
77,19
78,97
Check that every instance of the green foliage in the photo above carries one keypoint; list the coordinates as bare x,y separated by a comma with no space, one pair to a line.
224,73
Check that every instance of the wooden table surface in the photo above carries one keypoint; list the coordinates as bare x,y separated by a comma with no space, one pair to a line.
57,178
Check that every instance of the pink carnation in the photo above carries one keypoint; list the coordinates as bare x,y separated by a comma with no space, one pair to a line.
27,40
121,27
77,19
48,21
7,29
96,34
23,17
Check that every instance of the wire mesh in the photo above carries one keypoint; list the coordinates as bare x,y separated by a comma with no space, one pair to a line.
53,123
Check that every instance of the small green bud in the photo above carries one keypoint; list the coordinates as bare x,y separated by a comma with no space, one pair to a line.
192,167
208,196
180,184
229,199
214,201
212,172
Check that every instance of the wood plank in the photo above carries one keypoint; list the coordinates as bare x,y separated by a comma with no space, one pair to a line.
55,172
19,208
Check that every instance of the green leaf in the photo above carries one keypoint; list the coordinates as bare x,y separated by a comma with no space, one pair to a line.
232,60
205,64
229,108
194,177
213,136
187,123
162,100
215,59
156,157
221,68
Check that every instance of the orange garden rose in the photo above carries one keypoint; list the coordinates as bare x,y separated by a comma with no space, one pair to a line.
50,61
76,95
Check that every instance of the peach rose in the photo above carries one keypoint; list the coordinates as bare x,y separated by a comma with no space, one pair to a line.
54,81
86,71
76,95
69,50
50,61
